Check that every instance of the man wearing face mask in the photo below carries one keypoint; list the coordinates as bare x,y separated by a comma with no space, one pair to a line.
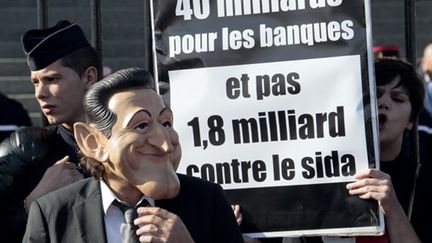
133,152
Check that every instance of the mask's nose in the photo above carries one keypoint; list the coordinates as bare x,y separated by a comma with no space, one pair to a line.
159,139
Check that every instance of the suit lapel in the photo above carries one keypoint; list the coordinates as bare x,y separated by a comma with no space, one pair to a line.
89,215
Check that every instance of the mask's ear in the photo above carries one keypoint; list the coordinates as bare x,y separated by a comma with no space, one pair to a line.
91,141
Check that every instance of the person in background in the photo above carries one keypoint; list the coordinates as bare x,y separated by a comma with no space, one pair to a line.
422,211
426,63
400,95
133,151
425,118
381,51
12,116
35,161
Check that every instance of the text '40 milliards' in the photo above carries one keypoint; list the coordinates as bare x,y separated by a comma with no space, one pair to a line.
269,36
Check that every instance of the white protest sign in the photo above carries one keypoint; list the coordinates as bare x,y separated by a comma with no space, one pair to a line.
274,101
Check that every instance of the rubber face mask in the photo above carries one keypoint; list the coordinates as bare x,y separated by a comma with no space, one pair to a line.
143,149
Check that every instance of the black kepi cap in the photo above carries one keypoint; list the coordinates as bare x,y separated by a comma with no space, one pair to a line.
45,46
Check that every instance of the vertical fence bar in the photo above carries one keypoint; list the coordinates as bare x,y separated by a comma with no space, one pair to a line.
96,28
411,56
42,13
42,18
148,60
410,31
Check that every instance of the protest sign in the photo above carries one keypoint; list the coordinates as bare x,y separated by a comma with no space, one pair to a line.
274,100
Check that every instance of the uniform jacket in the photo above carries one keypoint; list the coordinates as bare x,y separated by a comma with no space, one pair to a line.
24,157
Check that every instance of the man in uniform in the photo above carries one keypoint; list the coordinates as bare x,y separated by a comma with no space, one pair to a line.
35,161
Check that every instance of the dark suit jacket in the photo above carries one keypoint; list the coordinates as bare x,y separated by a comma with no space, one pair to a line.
74,213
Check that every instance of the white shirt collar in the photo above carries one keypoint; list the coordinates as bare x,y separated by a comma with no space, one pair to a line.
108,197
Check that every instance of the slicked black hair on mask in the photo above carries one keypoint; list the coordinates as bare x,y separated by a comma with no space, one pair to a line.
97,97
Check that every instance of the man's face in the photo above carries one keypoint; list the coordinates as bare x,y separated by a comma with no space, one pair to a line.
144,149
394,108
59,91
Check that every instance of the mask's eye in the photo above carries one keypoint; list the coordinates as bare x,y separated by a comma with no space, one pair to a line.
141,126
167,124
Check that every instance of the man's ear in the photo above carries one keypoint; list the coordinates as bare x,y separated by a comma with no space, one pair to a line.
90,75
91,141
